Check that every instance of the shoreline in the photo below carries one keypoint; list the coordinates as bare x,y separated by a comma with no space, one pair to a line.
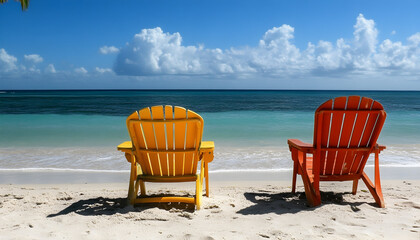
24,176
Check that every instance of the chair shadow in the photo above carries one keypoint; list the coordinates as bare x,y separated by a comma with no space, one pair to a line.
110,206
281,203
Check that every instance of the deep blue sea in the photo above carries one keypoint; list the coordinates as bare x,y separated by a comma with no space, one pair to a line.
81,129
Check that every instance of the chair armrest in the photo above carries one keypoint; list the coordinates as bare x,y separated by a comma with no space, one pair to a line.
206,151
380,147
207,145
301,146
125,146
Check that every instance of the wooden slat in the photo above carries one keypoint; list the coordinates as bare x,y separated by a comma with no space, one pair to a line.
369,130
185,178
372,130
350,111
334,133
149,137
362,117
346,149
169,115
361,158
179,113
340,177
160,138
164,151
346,128
192,141
370,123
135,132
188,135
346,135
325,124
165,121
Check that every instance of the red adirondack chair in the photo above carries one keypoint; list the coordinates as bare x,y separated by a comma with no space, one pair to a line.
345,134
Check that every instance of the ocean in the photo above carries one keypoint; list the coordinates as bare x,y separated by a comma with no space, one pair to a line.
80,130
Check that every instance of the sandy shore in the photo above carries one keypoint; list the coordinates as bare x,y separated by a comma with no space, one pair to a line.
235,210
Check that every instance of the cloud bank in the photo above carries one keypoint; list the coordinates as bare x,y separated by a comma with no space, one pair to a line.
154,59
154,52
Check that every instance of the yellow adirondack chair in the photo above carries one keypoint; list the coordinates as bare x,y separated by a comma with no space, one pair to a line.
166,146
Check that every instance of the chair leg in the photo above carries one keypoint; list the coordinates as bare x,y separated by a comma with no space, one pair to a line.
376,190
142,188
206,176
313,194
131,196
355,183
198,192
295,170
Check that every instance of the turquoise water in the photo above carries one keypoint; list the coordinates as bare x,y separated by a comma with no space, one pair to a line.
81,129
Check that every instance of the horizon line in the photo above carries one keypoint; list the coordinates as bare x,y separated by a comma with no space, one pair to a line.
208,89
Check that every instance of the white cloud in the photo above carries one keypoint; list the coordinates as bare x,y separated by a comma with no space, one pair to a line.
34,58
103,70
154,52
365,36
393,32
80,70
108,50
7,62
50,69
415,39
365,40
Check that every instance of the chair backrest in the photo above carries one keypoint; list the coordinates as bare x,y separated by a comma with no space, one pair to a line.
346,130
166,140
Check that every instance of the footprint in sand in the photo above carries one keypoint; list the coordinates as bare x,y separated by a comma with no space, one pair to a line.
208,238
211,207
415,229
408,204
187,237
329,230
263,235
185,215
216,211
17,197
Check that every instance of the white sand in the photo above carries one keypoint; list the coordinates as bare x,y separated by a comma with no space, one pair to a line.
235,210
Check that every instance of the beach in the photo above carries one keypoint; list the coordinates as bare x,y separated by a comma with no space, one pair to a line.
61,176
236,209
289,120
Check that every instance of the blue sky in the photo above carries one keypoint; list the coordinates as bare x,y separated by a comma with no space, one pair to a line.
210,44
